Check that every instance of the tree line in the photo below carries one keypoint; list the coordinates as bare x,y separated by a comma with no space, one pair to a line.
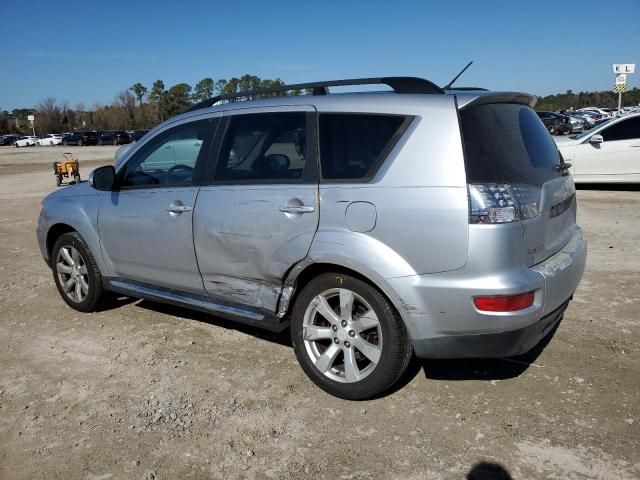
603,99
136,108
143,107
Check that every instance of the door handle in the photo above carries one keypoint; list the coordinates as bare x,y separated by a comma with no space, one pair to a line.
178,208
297,209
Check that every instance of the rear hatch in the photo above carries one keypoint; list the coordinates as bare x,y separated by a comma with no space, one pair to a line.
515,174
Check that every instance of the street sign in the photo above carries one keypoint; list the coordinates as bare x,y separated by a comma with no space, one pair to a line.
620,88
621,79
31,118
624,68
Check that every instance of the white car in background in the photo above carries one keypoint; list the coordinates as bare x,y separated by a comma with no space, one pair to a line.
599,111
50,139
608,153
29,141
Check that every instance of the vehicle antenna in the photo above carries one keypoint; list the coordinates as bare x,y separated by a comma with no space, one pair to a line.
448,86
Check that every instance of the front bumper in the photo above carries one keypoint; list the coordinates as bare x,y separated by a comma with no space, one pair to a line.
41,235
443,322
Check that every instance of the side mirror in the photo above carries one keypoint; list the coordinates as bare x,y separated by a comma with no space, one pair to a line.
596,139
103,178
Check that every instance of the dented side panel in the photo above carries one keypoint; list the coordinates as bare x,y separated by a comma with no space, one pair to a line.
245,244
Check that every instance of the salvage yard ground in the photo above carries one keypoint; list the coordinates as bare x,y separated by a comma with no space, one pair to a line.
143,390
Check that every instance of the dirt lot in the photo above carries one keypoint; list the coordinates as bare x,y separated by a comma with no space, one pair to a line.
147,391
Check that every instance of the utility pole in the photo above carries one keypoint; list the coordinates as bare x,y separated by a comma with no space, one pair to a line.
31,118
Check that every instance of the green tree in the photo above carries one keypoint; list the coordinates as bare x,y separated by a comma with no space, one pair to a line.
203,89
177,99
220,86
139,91
156,98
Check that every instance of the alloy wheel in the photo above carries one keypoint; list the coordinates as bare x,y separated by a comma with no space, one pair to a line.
72,273
342,335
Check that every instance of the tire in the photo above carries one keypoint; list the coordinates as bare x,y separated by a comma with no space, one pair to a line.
80,143
58,180
77,253
65,143
115,141
332,339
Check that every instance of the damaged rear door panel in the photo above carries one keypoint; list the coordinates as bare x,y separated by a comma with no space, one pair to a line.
257,214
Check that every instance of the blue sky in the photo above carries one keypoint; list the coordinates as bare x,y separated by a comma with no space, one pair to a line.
88,51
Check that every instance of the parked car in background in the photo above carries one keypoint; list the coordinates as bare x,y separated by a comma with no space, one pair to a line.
358,221
597,111
49,139
7,140
113,137
28,141
556,123
589,120
81,137
137,135
577,124
608,153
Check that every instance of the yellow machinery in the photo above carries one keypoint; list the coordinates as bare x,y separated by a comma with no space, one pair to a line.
68,167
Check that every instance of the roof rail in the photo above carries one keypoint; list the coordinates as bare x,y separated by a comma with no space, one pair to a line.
467,89
398,84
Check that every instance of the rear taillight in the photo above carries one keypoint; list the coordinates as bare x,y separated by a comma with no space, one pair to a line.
502,203
504,303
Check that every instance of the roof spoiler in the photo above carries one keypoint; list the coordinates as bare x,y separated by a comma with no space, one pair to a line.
468,100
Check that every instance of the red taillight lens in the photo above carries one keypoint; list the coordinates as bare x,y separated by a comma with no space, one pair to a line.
504,303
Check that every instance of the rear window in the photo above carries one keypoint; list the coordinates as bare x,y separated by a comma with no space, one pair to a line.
352,146
507,143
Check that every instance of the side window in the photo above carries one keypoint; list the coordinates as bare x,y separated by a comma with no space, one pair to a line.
170,158
628,129
352,146
263,147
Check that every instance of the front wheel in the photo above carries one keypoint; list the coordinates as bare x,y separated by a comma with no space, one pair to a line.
76,273
348,337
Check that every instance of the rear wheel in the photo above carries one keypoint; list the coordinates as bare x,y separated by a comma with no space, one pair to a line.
348,337
76,273
80,142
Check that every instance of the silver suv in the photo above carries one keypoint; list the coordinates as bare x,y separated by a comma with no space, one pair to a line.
373,225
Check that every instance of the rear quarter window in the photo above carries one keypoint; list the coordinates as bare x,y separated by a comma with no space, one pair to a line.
353,146
507,143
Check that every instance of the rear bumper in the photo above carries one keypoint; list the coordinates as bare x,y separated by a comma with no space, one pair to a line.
444,323
490,345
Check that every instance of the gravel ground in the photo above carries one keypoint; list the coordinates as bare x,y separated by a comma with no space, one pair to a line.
143,390
34,159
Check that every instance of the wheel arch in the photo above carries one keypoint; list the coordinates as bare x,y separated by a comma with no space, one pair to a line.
55,232
307,269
